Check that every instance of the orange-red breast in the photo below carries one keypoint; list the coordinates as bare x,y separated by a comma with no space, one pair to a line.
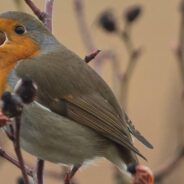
75,116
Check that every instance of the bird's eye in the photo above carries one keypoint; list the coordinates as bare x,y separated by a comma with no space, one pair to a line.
20,30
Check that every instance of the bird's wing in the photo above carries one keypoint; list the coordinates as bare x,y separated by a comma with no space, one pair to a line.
95,112
84,97
136,132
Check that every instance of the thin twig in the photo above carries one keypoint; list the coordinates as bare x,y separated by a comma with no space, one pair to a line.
168,167
171,164
14,161
84,30
48,9
133,55
180,58
180,53
125,78
40,14
39,170
87,37
91,56
18,150
46,15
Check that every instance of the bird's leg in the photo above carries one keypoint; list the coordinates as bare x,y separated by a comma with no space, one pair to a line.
69,175
39,171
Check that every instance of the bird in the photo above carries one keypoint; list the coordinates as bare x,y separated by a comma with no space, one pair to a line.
75,117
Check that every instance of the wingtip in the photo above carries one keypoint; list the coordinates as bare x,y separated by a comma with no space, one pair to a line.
149,145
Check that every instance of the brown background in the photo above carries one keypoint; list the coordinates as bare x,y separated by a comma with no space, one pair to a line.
154,102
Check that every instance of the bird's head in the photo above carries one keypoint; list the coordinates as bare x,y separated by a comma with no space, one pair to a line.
21,36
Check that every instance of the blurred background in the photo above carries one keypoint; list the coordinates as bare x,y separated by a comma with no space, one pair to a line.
154,90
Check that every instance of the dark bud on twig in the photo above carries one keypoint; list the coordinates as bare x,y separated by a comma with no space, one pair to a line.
91,56
132,13
107,21
11,104
26,89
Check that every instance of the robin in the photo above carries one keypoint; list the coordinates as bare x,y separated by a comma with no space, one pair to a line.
75,117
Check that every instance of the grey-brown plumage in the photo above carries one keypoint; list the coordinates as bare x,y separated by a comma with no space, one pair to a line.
75,116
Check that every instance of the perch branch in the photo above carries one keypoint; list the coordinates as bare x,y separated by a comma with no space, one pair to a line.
18,150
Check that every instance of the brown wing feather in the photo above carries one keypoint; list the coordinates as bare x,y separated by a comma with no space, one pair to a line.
93,111
136,133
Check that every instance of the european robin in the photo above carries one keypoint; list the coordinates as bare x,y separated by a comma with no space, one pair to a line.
75,117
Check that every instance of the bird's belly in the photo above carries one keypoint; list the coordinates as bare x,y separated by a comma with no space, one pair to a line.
57,139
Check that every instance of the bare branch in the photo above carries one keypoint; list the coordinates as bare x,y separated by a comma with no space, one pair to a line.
89,44
126,76
40,14
85,33
14,161
168,167
18,150
180,60
46,15
48,10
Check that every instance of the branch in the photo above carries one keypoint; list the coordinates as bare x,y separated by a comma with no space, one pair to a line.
126,76
40,14
18,150
14,161
171,164
180,60
85,33
168,167
48,11
12,106
180,53
87,37
46,15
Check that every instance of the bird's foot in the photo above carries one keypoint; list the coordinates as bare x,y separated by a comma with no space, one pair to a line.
3,119
143,175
